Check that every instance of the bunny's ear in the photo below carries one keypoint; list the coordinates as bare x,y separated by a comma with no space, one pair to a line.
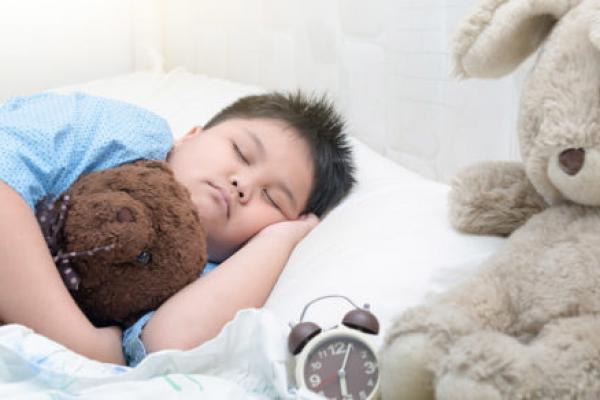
499,34
594,34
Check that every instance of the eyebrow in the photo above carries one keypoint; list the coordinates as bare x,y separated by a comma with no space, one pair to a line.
262,152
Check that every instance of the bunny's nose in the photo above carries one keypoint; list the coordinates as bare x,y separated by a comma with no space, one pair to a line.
571,160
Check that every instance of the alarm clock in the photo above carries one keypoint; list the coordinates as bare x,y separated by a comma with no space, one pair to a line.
341,362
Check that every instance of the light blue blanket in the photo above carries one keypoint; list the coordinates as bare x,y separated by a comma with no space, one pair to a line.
247,360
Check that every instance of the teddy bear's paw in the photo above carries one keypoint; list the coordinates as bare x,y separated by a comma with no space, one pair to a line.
403,369
487,365
452,387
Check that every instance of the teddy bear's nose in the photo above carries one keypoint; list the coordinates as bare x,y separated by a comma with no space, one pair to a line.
571,160
125,215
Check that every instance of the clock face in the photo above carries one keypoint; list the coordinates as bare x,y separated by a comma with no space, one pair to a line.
341,367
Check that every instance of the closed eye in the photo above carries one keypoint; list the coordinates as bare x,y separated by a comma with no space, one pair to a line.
239,153
270,199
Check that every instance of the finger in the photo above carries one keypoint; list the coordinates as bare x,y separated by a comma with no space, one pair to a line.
311,221
309,217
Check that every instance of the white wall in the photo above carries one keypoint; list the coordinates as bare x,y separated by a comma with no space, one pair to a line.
46,43
386,62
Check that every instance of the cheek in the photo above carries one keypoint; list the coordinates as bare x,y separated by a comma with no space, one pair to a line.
204,153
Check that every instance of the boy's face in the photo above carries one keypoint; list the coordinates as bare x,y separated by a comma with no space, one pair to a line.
243,174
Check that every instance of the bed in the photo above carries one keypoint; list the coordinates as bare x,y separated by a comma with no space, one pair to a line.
388,244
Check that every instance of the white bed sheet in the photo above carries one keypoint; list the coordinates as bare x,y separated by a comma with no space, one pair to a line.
388,244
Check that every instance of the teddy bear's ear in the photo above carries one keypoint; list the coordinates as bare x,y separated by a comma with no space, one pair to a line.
499,34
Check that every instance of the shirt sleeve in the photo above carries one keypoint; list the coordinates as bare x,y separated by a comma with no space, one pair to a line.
48,141
133,347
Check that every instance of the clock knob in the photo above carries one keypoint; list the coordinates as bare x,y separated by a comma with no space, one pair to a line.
363,320
300,335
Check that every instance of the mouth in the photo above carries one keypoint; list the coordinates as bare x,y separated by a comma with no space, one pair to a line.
223,197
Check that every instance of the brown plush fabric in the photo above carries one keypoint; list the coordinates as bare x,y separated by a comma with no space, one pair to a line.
159,242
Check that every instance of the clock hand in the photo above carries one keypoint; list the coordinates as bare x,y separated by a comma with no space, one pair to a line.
328,379
343,385
343,367
342,373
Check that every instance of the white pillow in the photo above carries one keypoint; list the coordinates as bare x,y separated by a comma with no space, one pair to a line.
388,244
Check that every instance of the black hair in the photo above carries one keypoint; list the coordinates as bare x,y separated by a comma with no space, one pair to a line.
315,120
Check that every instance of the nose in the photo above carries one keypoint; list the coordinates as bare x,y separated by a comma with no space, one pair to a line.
571,160
242,192
125,215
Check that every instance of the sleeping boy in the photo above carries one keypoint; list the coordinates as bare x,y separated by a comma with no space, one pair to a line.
261,172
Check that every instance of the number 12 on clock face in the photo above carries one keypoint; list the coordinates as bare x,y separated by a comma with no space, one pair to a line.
341,367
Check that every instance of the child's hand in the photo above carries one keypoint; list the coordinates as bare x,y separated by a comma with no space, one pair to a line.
110,340
292,231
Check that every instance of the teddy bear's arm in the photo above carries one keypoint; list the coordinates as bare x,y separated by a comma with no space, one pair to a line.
493,198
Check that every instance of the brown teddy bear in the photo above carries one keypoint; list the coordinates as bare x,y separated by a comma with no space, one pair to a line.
125,239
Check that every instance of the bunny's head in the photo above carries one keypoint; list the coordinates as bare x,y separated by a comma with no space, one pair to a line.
559,116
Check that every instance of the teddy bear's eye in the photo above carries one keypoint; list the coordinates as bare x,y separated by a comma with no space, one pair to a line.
145,257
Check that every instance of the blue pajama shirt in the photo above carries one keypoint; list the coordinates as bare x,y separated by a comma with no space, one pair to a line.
133,347
48,140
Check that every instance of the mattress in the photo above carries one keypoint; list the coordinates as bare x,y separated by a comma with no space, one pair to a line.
388,244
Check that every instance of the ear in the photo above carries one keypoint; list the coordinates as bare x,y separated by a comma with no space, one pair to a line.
500,34
191,133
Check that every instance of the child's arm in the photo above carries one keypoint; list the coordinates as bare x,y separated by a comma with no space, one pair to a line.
198,312
32,292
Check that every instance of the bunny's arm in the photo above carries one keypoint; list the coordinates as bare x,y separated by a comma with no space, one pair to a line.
493,198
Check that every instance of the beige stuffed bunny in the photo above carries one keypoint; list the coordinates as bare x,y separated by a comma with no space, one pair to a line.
528,325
